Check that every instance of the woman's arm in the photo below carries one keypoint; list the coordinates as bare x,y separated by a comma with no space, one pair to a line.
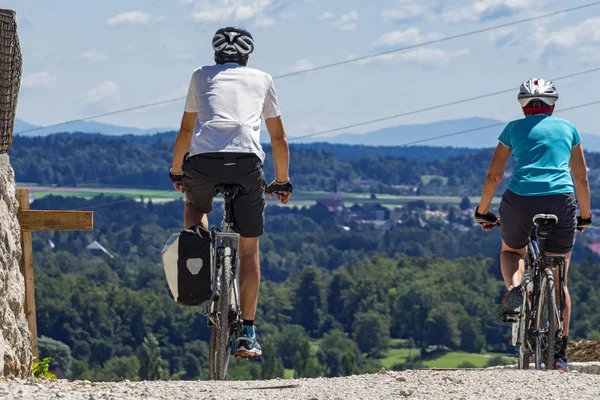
580,178
494,176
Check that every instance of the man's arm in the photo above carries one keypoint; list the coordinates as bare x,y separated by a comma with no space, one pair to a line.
281,151
184,138
580,178
494,176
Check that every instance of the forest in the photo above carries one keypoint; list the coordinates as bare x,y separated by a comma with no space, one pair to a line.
333,301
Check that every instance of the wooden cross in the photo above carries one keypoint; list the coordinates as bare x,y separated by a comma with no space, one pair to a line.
34,220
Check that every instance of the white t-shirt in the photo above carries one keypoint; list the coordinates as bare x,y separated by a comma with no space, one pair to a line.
230,100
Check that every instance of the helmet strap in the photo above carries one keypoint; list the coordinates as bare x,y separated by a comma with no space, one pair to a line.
548,110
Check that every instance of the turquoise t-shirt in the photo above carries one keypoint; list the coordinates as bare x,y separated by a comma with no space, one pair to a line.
541,146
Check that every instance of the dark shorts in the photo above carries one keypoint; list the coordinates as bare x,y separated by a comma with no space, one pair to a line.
202,172
516,219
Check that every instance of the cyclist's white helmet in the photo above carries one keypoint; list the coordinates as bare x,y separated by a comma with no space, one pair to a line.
232,45
537,89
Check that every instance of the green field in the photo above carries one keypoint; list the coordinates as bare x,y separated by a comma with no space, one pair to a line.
449,360
298,199
454,359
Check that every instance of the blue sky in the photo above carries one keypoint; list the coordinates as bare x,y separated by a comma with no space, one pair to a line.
83,58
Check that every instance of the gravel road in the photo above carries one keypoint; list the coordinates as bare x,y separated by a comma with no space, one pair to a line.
421,384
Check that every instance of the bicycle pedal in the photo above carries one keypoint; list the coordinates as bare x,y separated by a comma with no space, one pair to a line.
511,317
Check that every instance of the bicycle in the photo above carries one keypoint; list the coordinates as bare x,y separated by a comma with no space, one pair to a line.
223,309
537,324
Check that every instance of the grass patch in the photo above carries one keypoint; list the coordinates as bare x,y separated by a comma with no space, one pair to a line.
288,373
299,199
396,356
426,179
455,358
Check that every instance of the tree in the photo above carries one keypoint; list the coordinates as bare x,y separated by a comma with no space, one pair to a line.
121,368
465,203
191,365
272,366
472,339
338,354
371,333
306,364
152,366
59,353
441,327
309,306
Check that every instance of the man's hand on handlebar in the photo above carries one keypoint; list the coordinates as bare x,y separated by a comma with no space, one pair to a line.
583,224
487,221
177,180
283,190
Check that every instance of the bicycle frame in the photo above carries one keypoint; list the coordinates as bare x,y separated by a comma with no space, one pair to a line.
524,333
223,241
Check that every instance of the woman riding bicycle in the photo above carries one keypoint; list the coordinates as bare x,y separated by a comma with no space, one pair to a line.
544,148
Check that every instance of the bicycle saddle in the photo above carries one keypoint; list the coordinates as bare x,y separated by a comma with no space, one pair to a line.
228,191
545,223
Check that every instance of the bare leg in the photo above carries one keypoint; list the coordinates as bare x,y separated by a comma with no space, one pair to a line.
249,276
512,263
192,217
567,305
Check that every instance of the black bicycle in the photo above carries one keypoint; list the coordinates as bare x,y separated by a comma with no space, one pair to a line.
223,308
538,322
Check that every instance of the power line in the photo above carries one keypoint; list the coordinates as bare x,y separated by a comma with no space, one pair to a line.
488,126
568,76
431,108
444,39
461,132
338,63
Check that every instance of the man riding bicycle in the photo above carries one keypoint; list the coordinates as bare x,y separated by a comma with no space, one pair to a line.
219,143
547,150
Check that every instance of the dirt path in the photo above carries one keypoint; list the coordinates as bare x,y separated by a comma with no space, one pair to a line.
423,384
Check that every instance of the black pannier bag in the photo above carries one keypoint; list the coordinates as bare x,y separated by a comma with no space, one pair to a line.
186,260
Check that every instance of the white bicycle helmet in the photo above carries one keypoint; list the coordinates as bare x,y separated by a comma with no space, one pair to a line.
538,89
232,45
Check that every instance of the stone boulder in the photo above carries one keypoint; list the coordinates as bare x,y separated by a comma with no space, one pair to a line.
15,338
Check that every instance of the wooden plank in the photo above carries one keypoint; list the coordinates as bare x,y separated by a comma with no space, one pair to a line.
35,220
27,271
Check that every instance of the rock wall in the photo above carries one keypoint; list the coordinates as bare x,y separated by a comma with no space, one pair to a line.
15,338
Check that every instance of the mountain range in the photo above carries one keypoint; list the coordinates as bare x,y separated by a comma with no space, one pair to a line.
459,133
27,129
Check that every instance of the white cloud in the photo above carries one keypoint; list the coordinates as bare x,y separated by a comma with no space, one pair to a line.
405,11
586,31
347,21
505,37
326,16
228,10
488,10
299,65
406,37
264,22
95,56
576,40
106,90
134,17
39,80
430,57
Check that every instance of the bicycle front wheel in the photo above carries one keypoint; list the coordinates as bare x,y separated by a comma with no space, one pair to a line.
220,336
545,323
523,333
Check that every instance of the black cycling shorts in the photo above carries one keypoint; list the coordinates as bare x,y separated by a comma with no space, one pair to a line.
202,172
516,220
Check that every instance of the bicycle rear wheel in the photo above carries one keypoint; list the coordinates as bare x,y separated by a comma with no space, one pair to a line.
220,337
545,323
